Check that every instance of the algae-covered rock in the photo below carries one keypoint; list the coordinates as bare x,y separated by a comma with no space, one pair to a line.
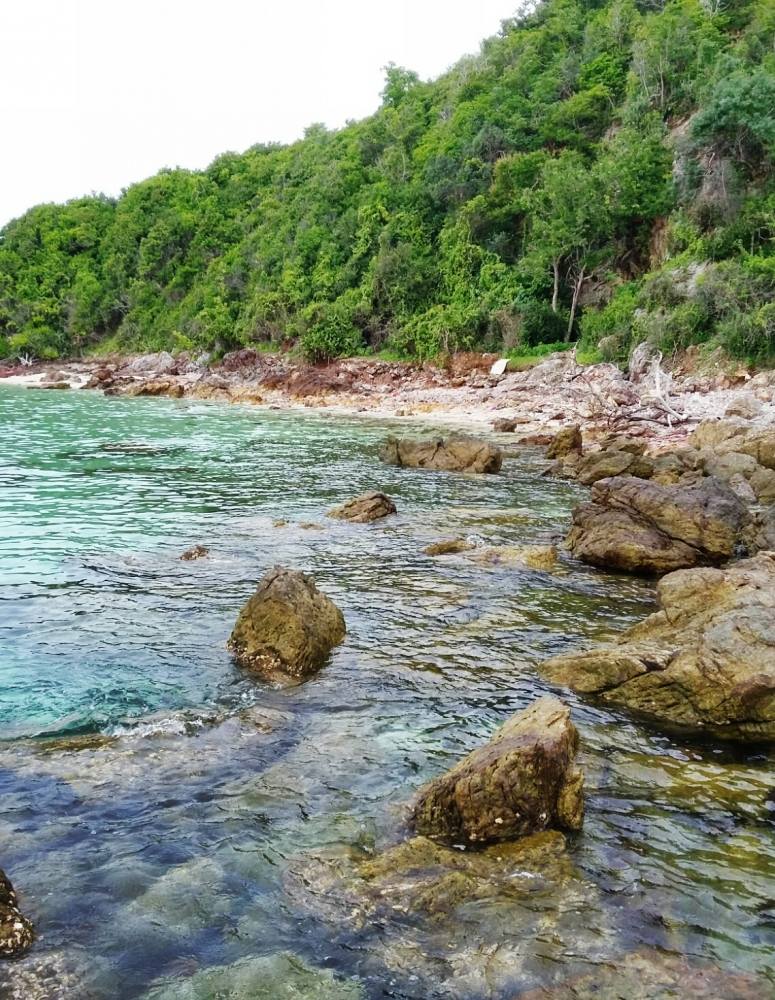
449,546
565,442
16,931
706,660
365,508
283,976
540,557
454,454
642,527
523,781
288,627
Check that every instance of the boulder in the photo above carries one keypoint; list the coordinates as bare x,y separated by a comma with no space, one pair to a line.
521,782
746,406
564,442
155,387
597,465
456,454
287,628
367,507
504,425
724,436
642,527
706,660
16,931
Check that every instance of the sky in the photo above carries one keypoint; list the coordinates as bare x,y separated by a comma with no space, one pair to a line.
97,94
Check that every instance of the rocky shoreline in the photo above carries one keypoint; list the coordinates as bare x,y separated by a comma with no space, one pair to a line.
528,405
677,494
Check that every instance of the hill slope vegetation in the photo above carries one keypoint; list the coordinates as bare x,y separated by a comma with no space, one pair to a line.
602,169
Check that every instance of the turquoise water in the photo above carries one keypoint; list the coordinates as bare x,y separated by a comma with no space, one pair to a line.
159,805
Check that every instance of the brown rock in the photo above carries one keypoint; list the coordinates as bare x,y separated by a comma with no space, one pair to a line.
706,660
564,442
457,454
195,552
642,527
367,507
523,781
526,556
287,628
504,425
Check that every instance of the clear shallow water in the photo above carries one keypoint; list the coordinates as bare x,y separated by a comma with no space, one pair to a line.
171,850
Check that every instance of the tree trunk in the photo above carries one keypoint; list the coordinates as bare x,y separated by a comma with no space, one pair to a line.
576,293
556,292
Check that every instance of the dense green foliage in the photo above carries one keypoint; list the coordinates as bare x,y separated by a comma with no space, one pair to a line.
603,169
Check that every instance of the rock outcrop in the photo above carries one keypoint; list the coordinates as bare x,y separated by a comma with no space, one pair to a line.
706,660
642,527
287,628
16,931
521,782
449,546
365,508
565,442
455,454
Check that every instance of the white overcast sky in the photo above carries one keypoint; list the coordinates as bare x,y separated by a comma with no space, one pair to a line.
96,94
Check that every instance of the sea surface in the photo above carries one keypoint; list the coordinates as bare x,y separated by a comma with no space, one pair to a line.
160,807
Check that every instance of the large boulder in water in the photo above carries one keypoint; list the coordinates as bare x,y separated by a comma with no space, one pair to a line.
16,931
365,508
455,454
523,781
706,660
642,527
566,441
287,628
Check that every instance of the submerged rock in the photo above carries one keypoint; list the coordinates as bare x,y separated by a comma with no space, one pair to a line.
288,627
706,660
195,552
16,931
283,976
540,557
642,527
449,546
651,974
365,508
455,454
523,781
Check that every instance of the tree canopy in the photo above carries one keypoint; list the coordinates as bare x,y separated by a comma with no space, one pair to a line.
517,199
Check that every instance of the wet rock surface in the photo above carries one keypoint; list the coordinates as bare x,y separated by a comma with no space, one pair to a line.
195,552
287,628
523,781
642,527
454,454
16,931
368,507
706,660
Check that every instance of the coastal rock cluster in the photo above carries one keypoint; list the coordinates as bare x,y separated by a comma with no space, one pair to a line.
706,660
453,454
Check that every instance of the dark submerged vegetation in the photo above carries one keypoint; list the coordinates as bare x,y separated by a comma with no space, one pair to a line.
601,169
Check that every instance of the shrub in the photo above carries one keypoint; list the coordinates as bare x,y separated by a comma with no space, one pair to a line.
330,332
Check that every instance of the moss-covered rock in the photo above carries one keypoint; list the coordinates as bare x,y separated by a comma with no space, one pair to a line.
523,781
287,628
706,660
642,527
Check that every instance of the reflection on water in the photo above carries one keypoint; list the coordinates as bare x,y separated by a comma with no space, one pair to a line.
177,830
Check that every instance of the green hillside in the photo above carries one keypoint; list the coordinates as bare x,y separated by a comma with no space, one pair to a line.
601,170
